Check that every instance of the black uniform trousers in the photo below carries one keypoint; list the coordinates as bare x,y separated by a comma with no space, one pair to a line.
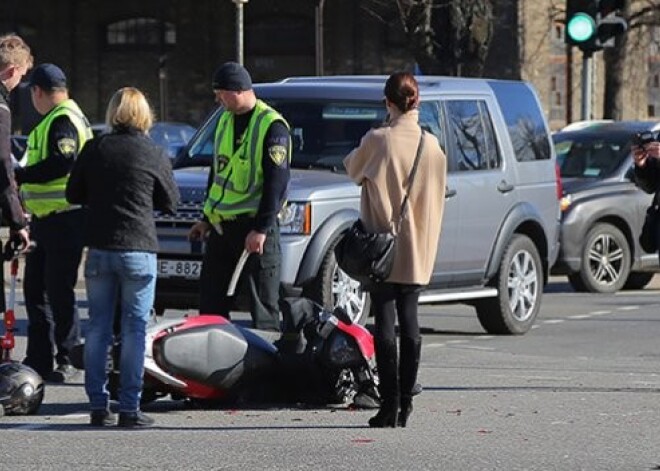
260,276
51,273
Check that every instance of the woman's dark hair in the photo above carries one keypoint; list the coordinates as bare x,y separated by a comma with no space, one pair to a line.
402,90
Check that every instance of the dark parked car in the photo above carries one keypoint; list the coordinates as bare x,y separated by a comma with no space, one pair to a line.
602,208
171,136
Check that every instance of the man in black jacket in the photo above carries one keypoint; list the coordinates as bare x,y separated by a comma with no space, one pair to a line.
646,155
15,60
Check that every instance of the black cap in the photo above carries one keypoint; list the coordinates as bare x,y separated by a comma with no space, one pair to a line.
47,77
232,76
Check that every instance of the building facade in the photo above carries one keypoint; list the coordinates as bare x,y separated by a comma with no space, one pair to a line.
169,49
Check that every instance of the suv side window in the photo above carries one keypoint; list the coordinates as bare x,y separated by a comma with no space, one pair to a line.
524,121
471,136
429,119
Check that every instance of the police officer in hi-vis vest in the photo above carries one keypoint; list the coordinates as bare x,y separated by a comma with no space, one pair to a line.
51,269
247,187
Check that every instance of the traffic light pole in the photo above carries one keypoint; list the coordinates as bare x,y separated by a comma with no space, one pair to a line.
587,80
592,25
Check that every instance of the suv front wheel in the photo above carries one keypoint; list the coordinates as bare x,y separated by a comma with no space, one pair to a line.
519,284
333,287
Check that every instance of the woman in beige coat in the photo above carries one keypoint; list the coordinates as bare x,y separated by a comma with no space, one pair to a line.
382,165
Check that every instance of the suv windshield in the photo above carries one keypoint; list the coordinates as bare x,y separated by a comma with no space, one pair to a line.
584,155
323,132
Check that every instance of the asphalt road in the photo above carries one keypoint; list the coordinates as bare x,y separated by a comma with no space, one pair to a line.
578,392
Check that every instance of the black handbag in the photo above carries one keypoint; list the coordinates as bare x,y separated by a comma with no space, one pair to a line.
648,235
367,256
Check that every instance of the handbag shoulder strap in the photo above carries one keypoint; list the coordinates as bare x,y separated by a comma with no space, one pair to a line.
411,178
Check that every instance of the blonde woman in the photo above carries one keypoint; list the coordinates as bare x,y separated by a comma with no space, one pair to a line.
122,177
381,165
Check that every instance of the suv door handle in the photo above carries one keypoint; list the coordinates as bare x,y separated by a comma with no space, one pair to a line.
449,192
504,187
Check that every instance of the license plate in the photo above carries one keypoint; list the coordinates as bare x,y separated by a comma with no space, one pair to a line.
188,269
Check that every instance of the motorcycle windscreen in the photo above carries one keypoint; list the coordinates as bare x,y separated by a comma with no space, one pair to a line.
218,355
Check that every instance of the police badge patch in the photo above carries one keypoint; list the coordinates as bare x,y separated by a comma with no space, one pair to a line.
277,154
66,145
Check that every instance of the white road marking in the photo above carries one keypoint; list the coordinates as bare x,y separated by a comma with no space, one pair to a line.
476,347
30,427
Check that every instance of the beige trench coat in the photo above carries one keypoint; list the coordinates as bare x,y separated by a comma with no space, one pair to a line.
382,164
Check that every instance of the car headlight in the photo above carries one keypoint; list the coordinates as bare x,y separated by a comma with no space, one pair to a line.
565,202
296,218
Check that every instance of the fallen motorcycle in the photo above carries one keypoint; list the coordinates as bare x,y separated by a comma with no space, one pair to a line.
320,357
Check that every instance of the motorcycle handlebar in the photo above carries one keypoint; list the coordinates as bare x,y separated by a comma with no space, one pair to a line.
14,247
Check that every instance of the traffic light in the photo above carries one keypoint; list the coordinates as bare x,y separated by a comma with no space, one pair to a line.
581,23
593,24
610,24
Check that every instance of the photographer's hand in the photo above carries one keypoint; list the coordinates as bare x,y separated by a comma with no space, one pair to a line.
640,155
653,149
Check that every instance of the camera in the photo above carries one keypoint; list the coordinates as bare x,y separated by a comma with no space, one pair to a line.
642,138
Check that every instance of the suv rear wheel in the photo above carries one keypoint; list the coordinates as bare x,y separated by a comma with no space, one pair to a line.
333,287
519,284
605,261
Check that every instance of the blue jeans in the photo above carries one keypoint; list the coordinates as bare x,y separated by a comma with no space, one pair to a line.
128,277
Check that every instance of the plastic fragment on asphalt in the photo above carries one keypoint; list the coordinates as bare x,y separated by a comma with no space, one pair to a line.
363,440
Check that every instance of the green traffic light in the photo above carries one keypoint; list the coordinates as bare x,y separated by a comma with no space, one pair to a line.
581,27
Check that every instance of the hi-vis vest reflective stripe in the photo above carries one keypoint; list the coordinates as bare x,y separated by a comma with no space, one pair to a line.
44,198
238,175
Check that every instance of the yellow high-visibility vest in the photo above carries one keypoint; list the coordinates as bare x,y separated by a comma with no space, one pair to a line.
238,175
44,198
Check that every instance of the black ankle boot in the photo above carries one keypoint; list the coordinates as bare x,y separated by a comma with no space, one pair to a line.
388,374
386,417
406,410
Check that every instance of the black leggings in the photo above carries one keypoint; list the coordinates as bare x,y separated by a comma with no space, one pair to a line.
390,301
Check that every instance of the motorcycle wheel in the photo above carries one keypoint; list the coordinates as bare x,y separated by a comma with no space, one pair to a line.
333,287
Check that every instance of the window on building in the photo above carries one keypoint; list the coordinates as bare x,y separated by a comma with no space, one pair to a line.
655,41
559,32
294,36
656,81
651,111
553,84
140,32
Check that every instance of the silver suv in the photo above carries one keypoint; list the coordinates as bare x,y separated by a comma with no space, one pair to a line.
501,220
